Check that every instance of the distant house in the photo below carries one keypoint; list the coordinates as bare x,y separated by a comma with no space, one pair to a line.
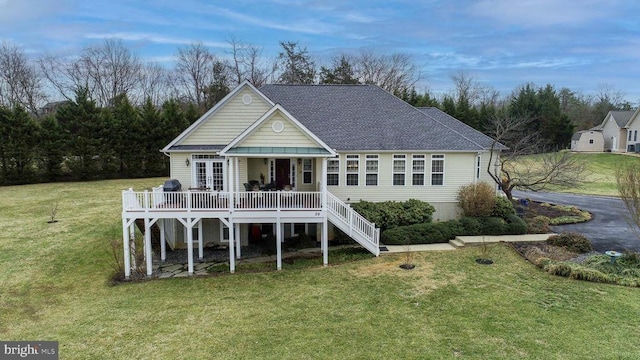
620,131
590,140
270,163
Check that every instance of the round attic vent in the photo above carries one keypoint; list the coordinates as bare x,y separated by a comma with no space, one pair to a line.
246,99
277,126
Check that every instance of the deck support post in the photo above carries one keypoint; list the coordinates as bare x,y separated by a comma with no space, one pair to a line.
232,255
147,246
325,242
238,244
279,244
163,245
127,252
190,245
200,241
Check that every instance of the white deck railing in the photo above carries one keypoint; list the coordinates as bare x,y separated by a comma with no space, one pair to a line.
159,200
354,224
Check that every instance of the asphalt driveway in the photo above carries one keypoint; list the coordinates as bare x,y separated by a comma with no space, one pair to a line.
608,230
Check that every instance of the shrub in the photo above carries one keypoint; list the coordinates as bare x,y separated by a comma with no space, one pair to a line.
503,207
472,226
538,225
630,258
515,225
389,214
493,226
571,241
425,233
477,200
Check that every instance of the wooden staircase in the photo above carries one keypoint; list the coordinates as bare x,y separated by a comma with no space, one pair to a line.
155,233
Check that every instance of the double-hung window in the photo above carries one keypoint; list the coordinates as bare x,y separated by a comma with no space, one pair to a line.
399,169
418,169
353,169
371,168
307,171
333,172
437,169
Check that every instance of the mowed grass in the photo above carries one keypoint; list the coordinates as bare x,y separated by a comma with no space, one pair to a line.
54,281
600,176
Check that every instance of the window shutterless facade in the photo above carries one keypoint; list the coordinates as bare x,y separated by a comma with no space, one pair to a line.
208,172
418,168
371,168
437,169
353,169
333,172
399,169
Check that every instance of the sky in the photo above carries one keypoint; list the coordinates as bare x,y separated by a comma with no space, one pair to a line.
584,45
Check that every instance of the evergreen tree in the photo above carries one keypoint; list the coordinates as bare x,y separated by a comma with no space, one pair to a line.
296,64
18,150
341,73
82,121
126,137
156,136
51,149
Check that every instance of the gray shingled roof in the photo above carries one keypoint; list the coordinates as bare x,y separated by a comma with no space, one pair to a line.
621,117
366,117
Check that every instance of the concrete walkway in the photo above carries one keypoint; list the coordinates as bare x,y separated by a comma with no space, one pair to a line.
461,241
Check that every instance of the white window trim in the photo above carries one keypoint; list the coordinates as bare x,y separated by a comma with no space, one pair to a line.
403,158
337,159
375,158
209,160
424,170
348,158
309,171
436,157
478,166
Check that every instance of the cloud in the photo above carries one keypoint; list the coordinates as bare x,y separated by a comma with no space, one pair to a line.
17,12
159,39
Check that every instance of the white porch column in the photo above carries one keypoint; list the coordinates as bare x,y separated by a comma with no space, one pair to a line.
190,245
323,183
163,245
230,183
279,244
147,247
237,174
238,244
125,246
325,242
200,241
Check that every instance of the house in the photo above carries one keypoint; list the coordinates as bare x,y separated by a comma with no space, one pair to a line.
286,159
620,131
590,140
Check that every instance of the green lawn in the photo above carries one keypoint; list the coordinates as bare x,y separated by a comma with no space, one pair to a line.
55,286
601,171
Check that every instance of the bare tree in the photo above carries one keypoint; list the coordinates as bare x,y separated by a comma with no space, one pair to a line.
105,70
247,63
20,82
525,163
154,84
628,183
395,73
194,68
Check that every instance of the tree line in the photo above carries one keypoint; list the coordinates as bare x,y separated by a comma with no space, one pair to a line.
105,113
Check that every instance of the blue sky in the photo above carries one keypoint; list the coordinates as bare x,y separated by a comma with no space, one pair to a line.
579,44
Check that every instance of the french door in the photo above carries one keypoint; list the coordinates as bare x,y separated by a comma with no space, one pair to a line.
209,174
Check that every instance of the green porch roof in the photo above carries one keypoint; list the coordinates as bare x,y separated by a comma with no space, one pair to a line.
266,150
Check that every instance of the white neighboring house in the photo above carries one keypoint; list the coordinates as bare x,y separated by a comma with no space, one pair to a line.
286,159
590,140
620,131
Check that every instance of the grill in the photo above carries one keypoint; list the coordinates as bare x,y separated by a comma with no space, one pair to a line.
172,185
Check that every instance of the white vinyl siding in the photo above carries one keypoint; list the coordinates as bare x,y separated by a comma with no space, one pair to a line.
437,169
353,170
229,121
399,169
418,169
371,169
290,136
